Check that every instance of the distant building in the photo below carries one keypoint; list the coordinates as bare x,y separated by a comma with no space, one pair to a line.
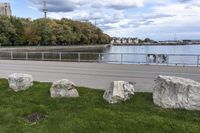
5,9
135,41
113,41
124,40
129,41
191,41
171,42
116,40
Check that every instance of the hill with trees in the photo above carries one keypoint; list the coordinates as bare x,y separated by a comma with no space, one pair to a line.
50,32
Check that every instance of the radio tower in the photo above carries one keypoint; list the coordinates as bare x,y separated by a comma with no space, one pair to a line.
45,9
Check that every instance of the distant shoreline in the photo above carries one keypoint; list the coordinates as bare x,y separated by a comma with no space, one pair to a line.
152,44
82,48
74,48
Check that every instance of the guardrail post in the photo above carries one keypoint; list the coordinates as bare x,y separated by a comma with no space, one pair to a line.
11,55
26,55
147,60
60,56
121,58
79,57
167,59
156,59
42,56
99,58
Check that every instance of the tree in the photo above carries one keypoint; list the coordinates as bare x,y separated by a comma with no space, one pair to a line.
30,35
45,29
20,31
19,28
7,31
148,40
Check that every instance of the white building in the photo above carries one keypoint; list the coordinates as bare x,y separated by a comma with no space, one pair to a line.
124,40
5,9
135,40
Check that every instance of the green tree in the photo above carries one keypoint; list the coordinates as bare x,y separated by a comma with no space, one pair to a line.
7,31
20,31
19,28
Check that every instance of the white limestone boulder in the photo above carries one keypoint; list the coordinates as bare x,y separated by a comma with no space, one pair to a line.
20,82
119,91
63,88
176,92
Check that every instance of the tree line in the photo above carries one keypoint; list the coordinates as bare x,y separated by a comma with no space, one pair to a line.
26,32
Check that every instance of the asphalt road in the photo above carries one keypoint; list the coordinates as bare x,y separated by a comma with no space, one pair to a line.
96,75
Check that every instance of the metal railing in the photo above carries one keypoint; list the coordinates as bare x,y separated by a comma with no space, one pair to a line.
117,58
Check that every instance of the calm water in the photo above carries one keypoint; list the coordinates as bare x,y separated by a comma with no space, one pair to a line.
183,49
153,51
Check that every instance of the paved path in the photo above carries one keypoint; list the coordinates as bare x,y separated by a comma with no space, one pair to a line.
96,75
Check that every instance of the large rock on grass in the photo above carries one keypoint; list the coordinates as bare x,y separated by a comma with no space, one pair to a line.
20,82
176,92
119,91
63,88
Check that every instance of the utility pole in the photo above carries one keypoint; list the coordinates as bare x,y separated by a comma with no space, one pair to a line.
45,9
95,21
175,38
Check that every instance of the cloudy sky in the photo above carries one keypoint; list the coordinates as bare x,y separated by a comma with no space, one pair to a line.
156,19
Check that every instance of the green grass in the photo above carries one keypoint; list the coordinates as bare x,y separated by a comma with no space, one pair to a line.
89,113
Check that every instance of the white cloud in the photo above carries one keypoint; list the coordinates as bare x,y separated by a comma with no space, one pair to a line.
141,18
70,5
33,8
123,4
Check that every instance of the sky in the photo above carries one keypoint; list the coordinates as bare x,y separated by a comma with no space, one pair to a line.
155,19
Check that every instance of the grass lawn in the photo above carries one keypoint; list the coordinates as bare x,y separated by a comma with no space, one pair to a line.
89,113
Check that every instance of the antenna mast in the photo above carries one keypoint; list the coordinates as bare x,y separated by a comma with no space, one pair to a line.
45,9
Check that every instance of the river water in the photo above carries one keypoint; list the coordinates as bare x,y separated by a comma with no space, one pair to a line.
179,54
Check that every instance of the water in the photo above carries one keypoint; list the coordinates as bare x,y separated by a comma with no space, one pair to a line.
138,54
179,49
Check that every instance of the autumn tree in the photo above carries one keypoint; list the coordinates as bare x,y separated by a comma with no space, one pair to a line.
20,31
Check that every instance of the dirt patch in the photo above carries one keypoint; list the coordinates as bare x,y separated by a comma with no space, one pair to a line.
34,117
